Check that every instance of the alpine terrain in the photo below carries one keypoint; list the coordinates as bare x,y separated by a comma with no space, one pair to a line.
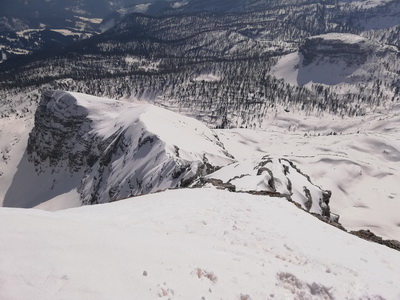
196,149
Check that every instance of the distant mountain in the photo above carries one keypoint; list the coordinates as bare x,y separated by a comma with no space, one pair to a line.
32,25
345,62
164,58
53,11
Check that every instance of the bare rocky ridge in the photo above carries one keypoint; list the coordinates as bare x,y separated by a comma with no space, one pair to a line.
370,236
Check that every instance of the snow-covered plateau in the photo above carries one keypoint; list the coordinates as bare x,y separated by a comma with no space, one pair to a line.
355,158
340,60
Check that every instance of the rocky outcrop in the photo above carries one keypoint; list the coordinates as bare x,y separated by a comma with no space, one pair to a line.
370,236
119,149
350,47
342,61
60,133
271,177
109,150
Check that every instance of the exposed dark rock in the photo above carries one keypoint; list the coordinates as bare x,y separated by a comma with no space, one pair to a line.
217,183
308,203
370,236
352,48
331,221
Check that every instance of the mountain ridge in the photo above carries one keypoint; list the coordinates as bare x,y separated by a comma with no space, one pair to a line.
111,150
225,78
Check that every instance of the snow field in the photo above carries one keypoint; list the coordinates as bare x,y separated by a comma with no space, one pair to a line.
189,244
359,164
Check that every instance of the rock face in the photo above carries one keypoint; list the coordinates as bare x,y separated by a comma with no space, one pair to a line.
348,63
272,177
61,133
351,48
370,236
114,149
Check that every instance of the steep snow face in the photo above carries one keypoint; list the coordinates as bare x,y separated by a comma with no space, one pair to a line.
189,244
274,177
342,60
106,150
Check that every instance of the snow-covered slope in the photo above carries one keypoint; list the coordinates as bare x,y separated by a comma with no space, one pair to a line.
355,158
89,150
97,150
189,244
358,164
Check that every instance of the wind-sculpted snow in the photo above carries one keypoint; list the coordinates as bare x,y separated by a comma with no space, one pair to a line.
108,150
274,177
355,158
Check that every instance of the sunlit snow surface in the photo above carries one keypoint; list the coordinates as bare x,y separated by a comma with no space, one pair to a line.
189,244
359,164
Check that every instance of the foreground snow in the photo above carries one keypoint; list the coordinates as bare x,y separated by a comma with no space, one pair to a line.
189,244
